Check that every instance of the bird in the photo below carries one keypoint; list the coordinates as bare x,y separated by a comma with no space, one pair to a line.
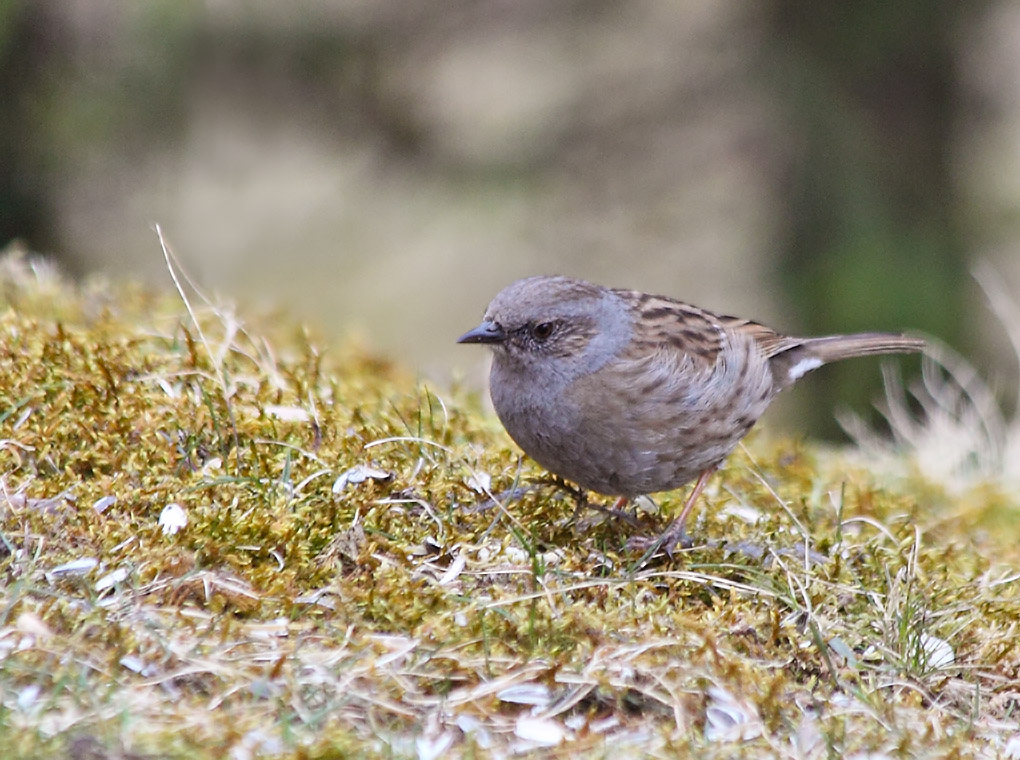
628,394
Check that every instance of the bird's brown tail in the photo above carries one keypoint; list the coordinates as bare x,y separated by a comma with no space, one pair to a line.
836,347
807,354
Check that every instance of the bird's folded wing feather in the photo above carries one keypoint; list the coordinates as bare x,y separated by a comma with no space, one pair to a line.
696,332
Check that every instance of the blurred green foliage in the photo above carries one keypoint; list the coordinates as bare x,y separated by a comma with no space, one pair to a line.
873,242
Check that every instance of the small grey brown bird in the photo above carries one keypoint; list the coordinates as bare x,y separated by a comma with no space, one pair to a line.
627,393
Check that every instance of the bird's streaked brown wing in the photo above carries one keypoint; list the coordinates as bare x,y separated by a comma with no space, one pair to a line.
697,332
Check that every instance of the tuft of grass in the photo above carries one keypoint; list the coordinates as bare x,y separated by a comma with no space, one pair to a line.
365,572
948,426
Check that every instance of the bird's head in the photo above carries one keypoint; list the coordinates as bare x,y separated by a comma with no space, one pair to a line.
553,324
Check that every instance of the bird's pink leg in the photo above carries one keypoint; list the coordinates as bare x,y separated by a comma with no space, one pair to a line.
677,528
676,533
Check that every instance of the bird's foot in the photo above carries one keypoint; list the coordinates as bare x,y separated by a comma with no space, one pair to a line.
613,511
513,494
559,483
674,536
503,497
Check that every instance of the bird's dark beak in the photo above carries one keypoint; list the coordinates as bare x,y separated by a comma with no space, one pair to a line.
486,332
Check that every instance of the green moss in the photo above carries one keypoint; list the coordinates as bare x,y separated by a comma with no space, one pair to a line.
297,616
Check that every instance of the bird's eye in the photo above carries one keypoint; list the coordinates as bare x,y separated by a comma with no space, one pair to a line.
542,330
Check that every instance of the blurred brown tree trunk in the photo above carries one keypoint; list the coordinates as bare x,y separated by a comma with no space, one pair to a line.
24,212
868,92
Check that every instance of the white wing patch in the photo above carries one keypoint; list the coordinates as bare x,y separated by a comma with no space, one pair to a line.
804,366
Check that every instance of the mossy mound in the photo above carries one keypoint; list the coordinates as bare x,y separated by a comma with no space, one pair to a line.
217,545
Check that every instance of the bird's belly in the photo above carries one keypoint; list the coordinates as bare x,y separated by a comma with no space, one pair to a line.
615,435
629,466
617,460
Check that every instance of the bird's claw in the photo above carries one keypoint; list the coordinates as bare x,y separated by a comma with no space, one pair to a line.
619,514
667,542
671,542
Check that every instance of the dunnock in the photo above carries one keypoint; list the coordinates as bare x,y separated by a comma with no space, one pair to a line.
627,393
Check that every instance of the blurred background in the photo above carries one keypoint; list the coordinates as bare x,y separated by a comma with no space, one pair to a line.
385,167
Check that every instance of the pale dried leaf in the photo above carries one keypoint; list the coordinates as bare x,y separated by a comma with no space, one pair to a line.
479,482
526,694
359,474
111,579
728,719
453,571
101,505
172,519
543,731
81,566
938,653
287,413
30,623
430,748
